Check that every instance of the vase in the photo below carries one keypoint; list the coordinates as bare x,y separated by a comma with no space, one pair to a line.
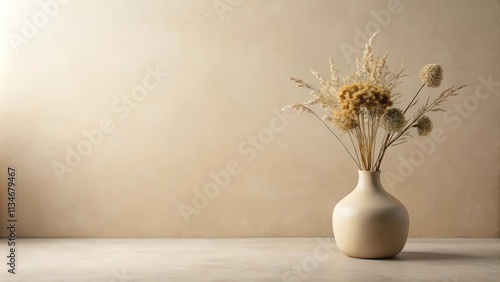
369,222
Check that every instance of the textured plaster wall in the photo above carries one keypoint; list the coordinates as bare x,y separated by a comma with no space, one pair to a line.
119,115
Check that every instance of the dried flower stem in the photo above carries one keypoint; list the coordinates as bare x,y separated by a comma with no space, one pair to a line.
410,104
432,107
342,143
355,151
389,135
366,135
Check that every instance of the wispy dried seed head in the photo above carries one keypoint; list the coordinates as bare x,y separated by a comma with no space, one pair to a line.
424,126
300,108
393,120
432,75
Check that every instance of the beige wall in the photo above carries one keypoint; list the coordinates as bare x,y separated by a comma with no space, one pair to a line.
228,65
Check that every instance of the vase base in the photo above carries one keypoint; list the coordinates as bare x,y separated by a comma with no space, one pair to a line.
374,257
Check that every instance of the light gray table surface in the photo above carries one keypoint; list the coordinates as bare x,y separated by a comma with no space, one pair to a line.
246,259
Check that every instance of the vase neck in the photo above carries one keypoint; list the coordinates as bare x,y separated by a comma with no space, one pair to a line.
369,180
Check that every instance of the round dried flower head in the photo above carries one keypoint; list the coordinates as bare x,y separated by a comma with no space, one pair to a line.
424,126
432,75
393,120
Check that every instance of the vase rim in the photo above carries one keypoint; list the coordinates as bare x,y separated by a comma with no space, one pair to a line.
369,170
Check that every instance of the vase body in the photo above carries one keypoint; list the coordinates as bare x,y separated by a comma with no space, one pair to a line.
370,222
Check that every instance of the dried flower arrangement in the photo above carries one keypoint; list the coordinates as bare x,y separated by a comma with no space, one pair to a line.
363,101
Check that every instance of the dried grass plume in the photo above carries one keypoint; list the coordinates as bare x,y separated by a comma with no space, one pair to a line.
360,103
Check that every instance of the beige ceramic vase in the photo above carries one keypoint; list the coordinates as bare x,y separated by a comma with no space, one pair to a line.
369,222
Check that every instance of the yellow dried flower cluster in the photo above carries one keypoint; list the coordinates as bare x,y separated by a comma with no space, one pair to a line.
356,98
357,95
